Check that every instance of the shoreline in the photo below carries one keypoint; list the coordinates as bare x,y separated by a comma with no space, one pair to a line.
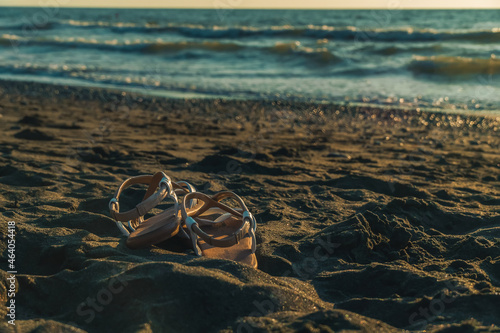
157,94
368,219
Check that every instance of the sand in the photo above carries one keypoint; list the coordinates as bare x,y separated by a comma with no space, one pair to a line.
369,219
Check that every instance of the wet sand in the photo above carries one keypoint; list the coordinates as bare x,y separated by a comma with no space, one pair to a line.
368,219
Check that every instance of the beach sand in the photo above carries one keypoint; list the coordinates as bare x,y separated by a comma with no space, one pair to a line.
369,219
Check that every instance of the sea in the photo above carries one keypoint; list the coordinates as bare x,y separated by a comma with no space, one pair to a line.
445,60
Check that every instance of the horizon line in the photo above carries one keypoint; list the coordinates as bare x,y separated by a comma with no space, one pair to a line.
257,8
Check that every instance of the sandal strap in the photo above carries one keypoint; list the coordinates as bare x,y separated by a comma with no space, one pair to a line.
151,199
190,216
213,201
180,187
224,242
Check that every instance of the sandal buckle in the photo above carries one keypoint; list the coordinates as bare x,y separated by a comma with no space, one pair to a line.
168,185
130,225
189,223
248,216
112,204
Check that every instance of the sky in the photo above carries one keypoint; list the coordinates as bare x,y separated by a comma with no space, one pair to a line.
235,4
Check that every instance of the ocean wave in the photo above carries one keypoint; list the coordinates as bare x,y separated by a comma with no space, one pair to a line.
179,46
399,49
78,74
341,33
454,66
151,46
145,78
93,24
52,69
319,55
312,31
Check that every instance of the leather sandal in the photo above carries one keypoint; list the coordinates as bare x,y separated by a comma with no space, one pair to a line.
219,231
142,233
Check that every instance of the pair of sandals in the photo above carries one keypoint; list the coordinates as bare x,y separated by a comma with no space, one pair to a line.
215,229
